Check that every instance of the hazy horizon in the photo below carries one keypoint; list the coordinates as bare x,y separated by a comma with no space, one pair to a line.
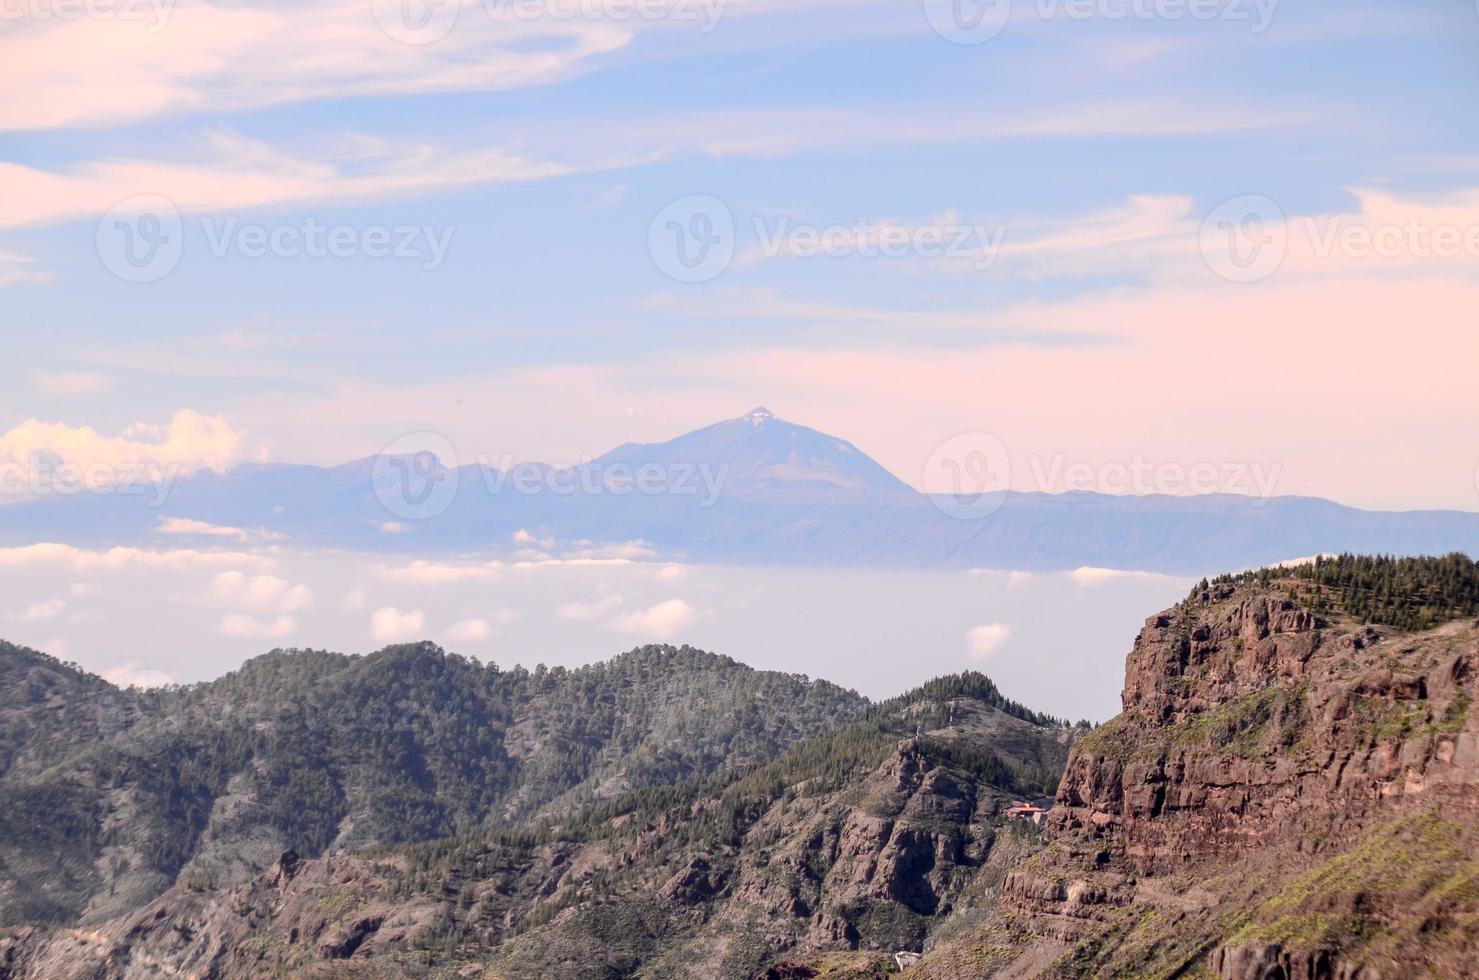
1053,641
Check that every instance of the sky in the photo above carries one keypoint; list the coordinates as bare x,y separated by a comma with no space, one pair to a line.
1094,237
1177,231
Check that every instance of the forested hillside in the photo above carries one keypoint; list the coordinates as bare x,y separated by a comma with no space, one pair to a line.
109,796
1408,593
876,835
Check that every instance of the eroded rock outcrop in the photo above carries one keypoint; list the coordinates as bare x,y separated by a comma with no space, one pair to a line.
1284,795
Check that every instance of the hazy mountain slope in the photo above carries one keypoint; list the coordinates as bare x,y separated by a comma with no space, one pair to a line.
754,490
313,751
50,710
870,836
759,453
1291,791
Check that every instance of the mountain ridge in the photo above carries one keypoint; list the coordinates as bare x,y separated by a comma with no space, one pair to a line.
931,771
760,492
319,751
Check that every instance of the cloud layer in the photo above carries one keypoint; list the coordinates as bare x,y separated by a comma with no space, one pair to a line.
190,442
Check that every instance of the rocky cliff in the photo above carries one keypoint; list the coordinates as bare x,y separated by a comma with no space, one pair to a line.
1287,794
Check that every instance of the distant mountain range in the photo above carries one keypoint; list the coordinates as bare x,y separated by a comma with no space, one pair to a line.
751,490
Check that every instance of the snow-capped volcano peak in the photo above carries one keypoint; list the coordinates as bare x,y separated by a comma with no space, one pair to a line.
758,416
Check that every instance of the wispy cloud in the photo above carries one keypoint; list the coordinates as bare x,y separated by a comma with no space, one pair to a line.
187,525
234,172
209,57
16,268
231,171
1138,237
788,131
73,383
765,304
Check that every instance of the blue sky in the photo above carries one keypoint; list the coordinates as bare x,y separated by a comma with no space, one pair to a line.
540,150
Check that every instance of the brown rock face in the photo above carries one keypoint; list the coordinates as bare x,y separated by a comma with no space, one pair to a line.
1272,785
1262,962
